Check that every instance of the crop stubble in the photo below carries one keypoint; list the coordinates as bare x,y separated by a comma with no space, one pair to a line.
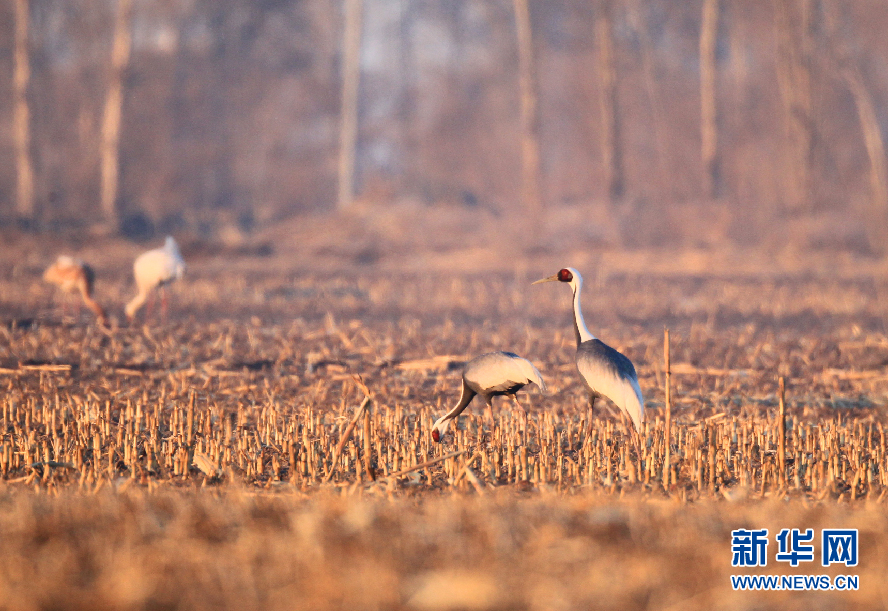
246,391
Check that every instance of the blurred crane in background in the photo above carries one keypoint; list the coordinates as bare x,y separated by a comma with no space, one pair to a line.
74,276
154,270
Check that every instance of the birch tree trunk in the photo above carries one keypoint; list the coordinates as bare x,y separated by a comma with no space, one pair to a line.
611,141
708,114
109,153
22,115
351,73
530,121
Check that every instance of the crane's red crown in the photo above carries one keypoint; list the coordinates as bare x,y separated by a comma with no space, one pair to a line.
565,275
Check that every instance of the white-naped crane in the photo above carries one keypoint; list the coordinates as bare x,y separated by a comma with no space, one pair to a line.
155,269
605,371
490,375
74,276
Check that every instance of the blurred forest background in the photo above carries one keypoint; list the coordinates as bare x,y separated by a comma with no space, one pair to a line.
683,122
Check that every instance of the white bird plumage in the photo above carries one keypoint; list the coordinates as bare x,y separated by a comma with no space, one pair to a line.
153,269
605,371
490,375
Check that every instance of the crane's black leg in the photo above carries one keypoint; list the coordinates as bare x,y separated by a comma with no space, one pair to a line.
488,412
523,418
588,432
164,303
633,434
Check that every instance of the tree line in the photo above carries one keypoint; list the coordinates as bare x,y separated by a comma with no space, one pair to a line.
179,114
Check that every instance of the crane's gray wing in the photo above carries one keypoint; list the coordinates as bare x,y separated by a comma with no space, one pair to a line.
607,372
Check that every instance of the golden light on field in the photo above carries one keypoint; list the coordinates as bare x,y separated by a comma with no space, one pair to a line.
364,192
271,442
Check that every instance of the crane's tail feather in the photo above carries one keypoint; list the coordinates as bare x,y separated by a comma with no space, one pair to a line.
634,403
532,374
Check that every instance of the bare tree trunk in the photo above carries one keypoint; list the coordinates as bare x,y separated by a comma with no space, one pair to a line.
351,73
794,77
875,150
110,145
530,120
611,141
22,115
842,62
708,115
665,182
407,97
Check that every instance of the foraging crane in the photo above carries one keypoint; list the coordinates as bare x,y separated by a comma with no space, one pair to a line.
490,375
73,276
604,370
155,269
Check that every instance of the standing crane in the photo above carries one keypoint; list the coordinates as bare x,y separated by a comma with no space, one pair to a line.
605,371
73,276
154,270
490,375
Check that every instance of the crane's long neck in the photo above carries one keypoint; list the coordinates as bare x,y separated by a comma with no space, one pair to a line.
580,328
440,426
465,398
135,303
92,304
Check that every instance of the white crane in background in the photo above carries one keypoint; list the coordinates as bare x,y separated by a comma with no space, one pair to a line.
155,269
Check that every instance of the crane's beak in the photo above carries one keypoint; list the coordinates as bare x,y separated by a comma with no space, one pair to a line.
552,278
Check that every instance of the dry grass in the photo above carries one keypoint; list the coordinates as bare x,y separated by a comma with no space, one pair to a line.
264,405
193,463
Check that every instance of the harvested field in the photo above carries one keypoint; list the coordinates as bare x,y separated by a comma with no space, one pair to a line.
195,462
